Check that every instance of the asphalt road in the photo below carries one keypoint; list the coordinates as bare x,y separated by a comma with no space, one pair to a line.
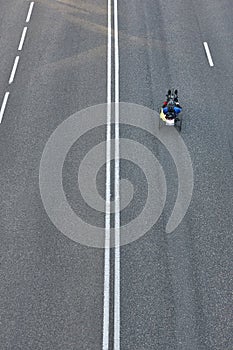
175,289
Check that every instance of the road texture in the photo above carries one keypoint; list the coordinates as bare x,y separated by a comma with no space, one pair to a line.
178,287
166,291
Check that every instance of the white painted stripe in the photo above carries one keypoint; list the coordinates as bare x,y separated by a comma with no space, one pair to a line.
116,345
14,70
106,304
4,103
30,12
206,46
22,38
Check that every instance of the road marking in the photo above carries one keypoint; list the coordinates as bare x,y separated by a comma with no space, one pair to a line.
208,54
106,314
106,304
16,62
14,69
116,345
22,38
4,103
30,11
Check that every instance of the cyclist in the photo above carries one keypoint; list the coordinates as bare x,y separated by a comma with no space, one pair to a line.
172,106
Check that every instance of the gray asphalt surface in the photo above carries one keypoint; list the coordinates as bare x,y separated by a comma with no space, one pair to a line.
51,288
176,289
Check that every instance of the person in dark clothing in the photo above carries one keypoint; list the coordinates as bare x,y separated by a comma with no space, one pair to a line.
171,105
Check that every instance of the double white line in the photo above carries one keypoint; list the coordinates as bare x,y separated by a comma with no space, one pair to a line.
106,311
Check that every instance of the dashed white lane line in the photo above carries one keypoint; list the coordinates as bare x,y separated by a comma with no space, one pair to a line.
116,344
16,62
30,12
4,103
208,54
22,38
106,303
12,76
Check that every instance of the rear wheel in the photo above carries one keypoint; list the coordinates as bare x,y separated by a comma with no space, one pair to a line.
179,124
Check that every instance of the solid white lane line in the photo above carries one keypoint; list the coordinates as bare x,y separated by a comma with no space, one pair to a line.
208,54
106,304
4,103
14,69
22,38
117,189
30,12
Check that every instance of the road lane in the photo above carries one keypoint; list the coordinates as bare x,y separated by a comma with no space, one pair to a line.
175,289
216,25
51,288
20,47
12,16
